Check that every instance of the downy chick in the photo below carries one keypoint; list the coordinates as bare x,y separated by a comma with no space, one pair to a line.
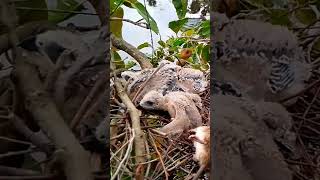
266,64
201,141
182,107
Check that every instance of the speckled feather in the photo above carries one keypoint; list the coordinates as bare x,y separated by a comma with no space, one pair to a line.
244,143
267,59
169,78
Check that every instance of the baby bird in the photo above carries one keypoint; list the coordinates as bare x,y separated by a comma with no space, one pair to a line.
169,78
182,107
201,141
245,143
53,42
266,64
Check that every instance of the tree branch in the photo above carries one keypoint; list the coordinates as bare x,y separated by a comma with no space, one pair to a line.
139,149
44,111
132,51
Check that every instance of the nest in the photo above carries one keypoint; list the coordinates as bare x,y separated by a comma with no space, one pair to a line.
305,113
166,157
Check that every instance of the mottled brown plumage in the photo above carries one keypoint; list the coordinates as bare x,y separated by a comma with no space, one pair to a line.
266,64
244,143
169,78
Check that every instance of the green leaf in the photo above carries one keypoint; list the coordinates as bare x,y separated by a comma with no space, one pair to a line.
130,64
144,45
65,5
163,44
189,32
306,16
279,17
28,15
195,59
178,42
114,5
204,29
196,66
175,26
205,53
117,60
199,49
144,13
116,25
127,4
181,7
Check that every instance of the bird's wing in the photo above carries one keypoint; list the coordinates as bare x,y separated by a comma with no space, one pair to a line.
281,76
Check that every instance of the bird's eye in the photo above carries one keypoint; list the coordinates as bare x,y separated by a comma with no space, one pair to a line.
149,103
40,43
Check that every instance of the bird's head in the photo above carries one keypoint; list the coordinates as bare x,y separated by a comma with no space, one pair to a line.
153,100
44,43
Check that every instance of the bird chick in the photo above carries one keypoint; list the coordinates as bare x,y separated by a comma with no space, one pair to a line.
266,64
169,78
245,143
53,42
201,141
182,107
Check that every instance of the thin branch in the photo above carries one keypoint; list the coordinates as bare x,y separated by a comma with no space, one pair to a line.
130,21
160,157
5,170
36,139
135,119
93,93
129,148
141,58
16,153
15,141
300,92
44,111
57,11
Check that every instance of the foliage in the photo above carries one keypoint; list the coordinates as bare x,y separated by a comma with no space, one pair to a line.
26,15
141,9
294,14
37,10
181,7
196,6
69,5
277,11
171,49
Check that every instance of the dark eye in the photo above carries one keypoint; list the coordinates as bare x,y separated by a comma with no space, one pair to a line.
149,103
41,43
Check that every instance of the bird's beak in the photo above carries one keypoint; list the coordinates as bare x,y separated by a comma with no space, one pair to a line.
53,50
192,131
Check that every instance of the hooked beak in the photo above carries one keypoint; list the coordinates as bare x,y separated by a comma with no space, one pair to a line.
192,131
53,50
